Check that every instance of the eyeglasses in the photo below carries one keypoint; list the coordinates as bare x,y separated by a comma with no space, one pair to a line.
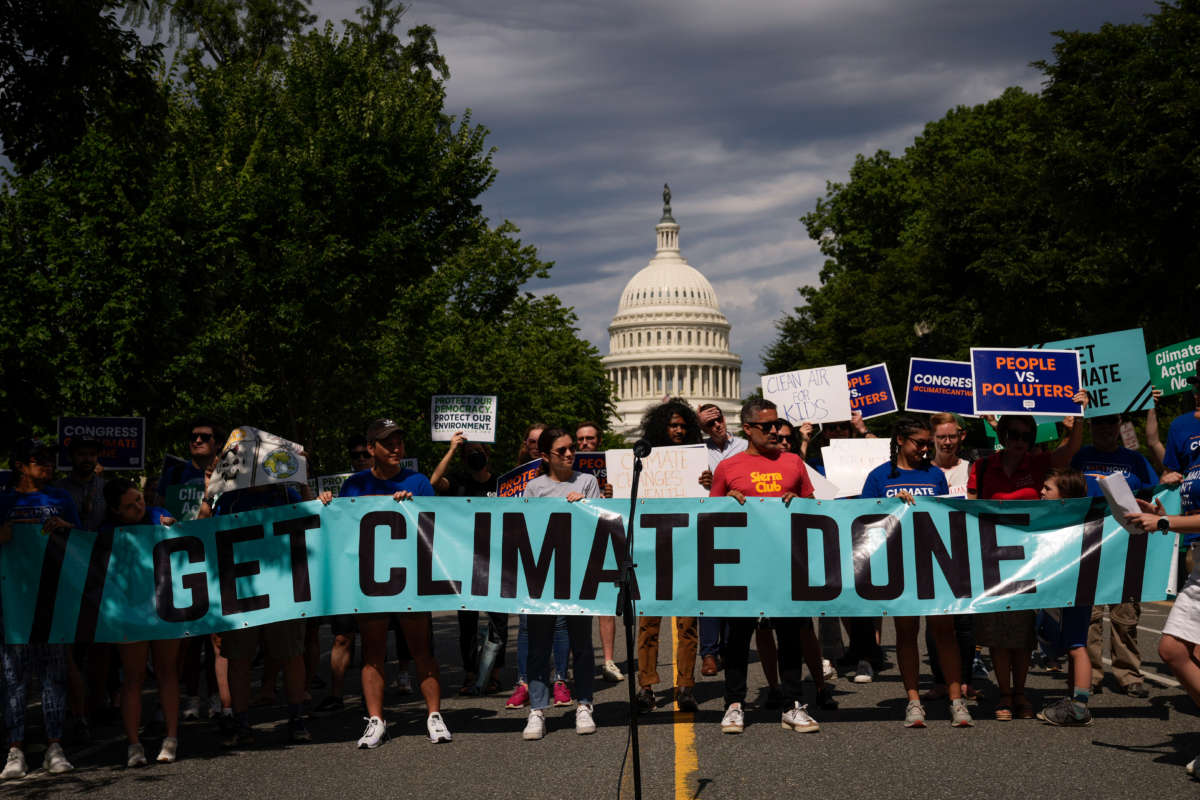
953,437
201,437
1028,436
766,427
921,444
562,451
359,454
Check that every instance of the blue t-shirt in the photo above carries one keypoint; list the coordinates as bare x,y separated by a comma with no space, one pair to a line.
37,507
928,482
365,484
240,500
154,516
179,475
1183,443
1133,465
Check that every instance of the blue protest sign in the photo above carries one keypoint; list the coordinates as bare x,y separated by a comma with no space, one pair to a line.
593,463
1010,381
871,391
122,440
935,386
1114,370
513,482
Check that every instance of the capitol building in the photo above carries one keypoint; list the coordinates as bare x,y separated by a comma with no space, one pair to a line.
669,337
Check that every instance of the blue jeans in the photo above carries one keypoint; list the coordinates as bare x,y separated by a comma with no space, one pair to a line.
21,661
542,635
711,636
562,648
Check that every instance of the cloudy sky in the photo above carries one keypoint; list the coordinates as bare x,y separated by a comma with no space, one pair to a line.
746,108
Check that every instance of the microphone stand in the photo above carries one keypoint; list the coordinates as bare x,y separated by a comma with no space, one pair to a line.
625,609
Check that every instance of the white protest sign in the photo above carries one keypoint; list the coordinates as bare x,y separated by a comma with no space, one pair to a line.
821,394
848,462
823,488
666,472
332,483
473,414
256,458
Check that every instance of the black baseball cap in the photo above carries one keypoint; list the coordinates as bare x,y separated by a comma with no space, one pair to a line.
382,428
25,449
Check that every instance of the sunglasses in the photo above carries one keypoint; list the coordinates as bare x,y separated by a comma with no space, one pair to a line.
1027,436
201,437
766,427
921,444
359,454
562,451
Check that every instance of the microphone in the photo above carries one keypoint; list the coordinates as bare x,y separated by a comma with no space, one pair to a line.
641,448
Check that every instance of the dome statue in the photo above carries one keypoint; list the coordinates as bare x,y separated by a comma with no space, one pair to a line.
669,337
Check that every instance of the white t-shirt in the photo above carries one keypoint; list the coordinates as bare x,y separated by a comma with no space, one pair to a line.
956,477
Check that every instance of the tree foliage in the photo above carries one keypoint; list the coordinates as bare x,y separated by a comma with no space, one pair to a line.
304,252
1024,219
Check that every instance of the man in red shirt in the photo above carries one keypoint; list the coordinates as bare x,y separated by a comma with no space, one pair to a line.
765,470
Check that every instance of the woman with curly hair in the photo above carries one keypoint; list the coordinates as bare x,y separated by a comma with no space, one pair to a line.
670,423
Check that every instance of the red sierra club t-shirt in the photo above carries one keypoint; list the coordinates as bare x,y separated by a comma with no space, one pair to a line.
1024,484
759,476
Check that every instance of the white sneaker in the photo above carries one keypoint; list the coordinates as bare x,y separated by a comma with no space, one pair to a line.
535,726
169,750
55,760
797,719
863,673
1191,765
191,709
374,735
584,724
734,720
135,755
612,673
15,766
438,732
828,671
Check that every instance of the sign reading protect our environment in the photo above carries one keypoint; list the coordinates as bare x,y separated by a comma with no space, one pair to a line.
936,386
871,391
1171,366
547,556
666,472
472,414
122,440
1010,381
1113,369
821,394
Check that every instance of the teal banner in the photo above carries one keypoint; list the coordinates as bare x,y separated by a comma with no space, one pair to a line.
547,556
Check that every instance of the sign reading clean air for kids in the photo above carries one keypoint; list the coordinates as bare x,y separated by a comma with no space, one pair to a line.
473,414
821,394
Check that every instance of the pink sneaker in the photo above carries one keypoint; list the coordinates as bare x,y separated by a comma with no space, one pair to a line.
562,695
520,697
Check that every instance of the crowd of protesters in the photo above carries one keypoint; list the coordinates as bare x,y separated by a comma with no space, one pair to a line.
98,683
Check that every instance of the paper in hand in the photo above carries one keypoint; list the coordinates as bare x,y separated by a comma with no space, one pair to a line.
1120,499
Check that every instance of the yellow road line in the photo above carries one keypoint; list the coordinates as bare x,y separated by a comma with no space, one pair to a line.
687,764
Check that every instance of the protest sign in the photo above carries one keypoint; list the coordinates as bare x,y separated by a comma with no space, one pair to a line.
593,463
821,394
513,482
256,458
1171,366
936,386
1010,381
332,483
1113,369
547,556
848,461
474,415
871,391
122,440
183,501
666,472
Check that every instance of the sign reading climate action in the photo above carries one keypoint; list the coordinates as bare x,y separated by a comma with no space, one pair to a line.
474,415
1025,381
547,556
1171,366
122,440
935,386
871,391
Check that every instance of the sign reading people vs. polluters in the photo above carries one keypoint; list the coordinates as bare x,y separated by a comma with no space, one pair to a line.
474,415
820,394
1010,381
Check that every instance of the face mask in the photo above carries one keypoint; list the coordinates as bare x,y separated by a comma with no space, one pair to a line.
477,460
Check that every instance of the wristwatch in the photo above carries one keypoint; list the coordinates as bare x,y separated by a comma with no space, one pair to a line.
1164,524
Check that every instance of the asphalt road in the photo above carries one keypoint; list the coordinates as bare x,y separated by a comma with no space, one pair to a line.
1134,748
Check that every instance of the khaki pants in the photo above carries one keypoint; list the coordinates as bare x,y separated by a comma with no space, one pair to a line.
687,639
1126,659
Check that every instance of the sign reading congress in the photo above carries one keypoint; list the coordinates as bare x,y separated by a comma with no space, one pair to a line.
935,386
1025,381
